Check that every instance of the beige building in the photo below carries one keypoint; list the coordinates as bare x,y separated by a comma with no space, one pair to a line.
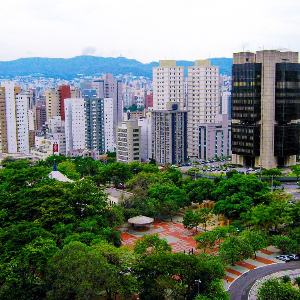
203,100
128,142
168,114
265,108
168,84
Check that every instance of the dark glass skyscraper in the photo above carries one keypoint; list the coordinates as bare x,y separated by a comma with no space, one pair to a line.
265,108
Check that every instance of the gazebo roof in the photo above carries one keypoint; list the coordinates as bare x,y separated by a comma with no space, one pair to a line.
140,220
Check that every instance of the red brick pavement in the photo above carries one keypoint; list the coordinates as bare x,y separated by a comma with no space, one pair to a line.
184,238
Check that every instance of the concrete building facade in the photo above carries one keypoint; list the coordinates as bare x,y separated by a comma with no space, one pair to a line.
215,138
203,98
110,87
75,126
169,115
128,142
14,126
265,108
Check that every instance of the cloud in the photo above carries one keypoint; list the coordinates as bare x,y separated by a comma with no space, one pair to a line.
90,50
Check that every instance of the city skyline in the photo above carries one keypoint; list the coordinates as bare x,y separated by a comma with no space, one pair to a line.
146,31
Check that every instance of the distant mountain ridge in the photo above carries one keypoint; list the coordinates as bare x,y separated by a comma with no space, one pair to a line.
69,68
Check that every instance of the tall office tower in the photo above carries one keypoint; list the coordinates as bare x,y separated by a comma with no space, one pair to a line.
14,135
128,142
168,115
265,108
74,124
52,103
109,87
203,100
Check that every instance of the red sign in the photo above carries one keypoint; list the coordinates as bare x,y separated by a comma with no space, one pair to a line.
55,147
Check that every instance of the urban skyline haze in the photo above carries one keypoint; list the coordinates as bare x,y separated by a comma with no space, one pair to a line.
146,30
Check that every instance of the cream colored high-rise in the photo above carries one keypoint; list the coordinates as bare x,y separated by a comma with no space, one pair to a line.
52,103
168,115
168,84
203,100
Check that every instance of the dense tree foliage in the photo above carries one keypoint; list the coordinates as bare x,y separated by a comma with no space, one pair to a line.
275,289
238,194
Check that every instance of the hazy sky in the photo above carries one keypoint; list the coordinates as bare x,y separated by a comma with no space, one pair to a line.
146,30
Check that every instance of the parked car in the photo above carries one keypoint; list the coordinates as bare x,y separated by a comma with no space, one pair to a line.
250,169
293,256
284,257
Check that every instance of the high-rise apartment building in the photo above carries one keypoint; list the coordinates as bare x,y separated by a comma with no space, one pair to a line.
169,115
203,100
99,122
94,118
265,108
14,134
52,103
168,84
110,87
128,145
74,124
55,98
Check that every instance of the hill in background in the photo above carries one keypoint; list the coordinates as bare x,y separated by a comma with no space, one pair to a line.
69,68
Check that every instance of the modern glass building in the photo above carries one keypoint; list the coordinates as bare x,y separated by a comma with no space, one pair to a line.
265,108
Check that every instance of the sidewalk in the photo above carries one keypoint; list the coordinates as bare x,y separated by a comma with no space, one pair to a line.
263,258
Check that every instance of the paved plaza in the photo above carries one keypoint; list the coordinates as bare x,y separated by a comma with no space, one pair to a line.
182,240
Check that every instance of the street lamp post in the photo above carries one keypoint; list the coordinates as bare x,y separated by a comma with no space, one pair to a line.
198,282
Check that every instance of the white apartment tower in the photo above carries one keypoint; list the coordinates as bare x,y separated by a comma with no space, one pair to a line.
14,135
109,143
74,124
168,84
203,100
168,115
110,87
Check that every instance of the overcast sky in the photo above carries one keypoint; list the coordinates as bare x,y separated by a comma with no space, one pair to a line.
146,30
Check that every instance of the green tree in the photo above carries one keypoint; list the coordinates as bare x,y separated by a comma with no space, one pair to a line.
68,168
118,173
215,292
274,289
191,219
271,174
72,273
257,240
238,194
151,244
206,240
270,216
200,190
234,249
285,244
205,217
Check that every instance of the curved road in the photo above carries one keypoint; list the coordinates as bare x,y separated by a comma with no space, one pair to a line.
240,288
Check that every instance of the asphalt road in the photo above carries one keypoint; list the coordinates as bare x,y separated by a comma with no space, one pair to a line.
240,288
